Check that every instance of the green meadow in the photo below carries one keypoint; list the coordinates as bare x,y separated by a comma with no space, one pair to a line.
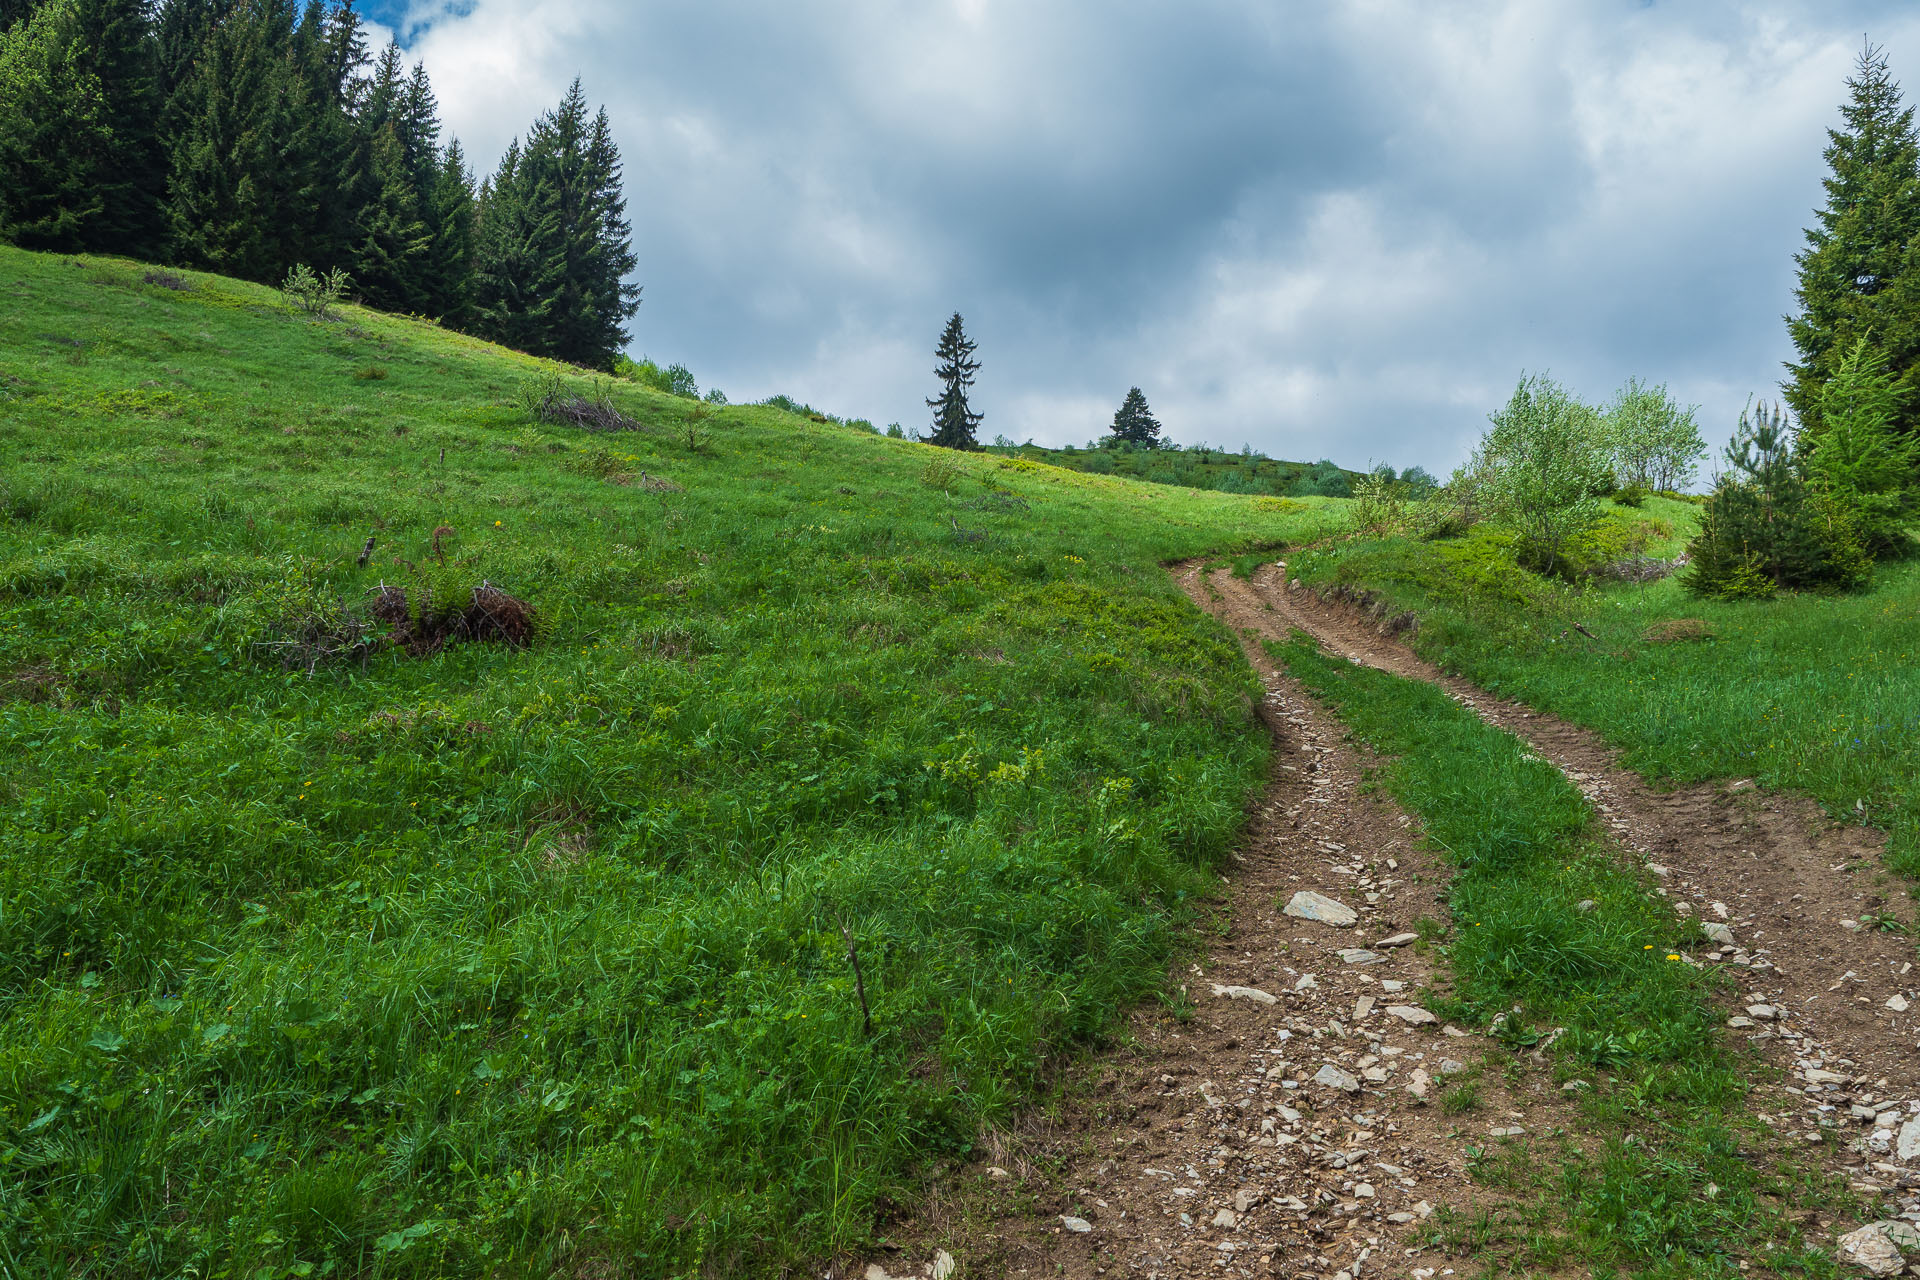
843,783
1808,692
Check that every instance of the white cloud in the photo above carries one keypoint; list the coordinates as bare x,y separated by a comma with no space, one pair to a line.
1335,231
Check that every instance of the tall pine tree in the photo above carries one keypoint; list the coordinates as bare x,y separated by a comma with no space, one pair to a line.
80,157
954,421
1860,272
1134,423
552,243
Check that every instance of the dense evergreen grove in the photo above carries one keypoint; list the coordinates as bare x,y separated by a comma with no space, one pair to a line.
248,136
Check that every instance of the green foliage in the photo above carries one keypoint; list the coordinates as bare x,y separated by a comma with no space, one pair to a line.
1652,443
528,960
674,380
1543,464
1857,275
954,421
312,293
1858,456
552,242
1134,423
1762,523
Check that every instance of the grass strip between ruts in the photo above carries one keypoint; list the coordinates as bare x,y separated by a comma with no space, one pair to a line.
1665,1176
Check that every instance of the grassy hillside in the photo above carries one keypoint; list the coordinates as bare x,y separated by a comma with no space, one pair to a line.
1807,691
320,955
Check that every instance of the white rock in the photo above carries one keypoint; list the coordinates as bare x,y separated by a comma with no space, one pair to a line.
1508,1131
1870,1249
1585,905
1334,1078
1356,955
1417,1084
1254,994
942,1265
1450,1067
1308,905
1897,1003
1907,1145
1362,1007
995,1171
1078,1225
1364,1191
1412,1014
1244,1199
1718,932
1815,1075
1764,1012
1398,940
1740,1023
1392,985
1377,1075
1225,1218
1307,983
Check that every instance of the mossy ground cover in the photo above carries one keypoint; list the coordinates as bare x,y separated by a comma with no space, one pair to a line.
501,960
1665,1176
1811,692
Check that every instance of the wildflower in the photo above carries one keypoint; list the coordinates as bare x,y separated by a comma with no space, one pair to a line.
1671,956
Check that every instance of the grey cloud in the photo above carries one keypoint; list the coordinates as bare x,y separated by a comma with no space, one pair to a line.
1337,230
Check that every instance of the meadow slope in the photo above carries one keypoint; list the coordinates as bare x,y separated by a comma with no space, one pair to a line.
320,956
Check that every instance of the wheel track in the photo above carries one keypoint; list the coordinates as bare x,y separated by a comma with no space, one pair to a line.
1792,883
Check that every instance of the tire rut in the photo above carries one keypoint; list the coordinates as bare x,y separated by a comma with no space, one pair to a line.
1830,1000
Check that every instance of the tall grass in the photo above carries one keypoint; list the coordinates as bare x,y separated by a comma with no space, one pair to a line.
515,961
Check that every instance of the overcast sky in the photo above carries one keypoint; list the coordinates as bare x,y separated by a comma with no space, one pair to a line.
1337,230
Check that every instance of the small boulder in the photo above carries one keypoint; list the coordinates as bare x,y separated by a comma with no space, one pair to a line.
1872,1249
1079,1226
1398,940
1718,932
1907,1145
1308,905
1334,1078
1254,994
1411,1014
1358,955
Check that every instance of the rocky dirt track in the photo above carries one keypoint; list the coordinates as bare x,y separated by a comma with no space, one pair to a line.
1290,1123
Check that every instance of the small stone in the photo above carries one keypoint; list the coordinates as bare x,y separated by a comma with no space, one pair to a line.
1870,1249
1392,985
1897,1003
1362,1007
1907,1145
1079,1226
1816,1075
1244,1199
1585,905
1718,932
1400,1217
1364,1191
1377,1075
1507,1131
1307,983
1764,1012
1412,1014
1334,1078
1254,994
1398,940
1423,1209
1418,1083
1659,871
942,1265
1740,1023
1451,1067
1356,955
1225,1218
996,1172
1574,1086
1308,905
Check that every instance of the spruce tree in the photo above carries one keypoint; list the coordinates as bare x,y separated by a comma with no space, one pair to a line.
954,421
446,277
1134,423
552,246
1860,271
80,157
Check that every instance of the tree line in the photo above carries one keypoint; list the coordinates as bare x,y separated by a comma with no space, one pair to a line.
252,136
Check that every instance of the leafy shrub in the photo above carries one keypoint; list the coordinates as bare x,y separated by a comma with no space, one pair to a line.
1651,442
1545,464
674,380
167,280
314,293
